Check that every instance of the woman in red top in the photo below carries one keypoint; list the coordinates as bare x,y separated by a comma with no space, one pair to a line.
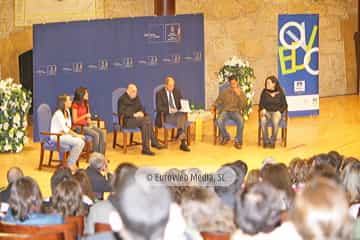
81,117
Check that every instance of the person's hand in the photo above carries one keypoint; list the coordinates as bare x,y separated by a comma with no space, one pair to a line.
139,114
172,110
237,90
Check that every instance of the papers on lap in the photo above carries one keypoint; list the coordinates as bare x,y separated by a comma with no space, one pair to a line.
185,105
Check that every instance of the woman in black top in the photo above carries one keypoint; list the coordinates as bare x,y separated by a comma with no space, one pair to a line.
272,105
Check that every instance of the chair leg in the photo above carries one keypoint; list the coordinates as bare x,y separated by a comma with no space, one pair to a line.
259,136
114,138
172,134
156,132
188,136
124,142
65,158
215,134
50,158
285,137
131,138
41,156
166,138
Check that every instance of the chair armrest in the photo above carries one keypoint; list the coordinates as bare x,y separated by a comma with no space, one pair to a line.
214,113
58,135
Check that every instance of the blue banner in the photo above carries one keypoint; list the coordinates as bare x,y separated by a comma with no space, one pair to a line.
107,54
298,62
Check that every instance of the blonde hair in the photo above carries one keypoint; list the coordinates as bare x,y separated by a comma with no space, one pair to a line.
321,211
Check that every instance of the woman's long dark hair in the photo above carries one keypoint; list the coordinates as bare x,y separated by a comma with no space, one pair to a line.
274,80
79,95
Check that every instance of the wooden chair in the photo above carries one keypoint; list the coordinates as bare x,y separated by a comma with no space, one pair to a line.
282,125
39,236
215,236
118,123
102,227
79,223
46,143
167,126
65,231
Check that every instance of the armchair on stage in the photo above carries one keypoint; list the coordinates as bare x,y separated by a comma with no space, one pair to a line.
118,123
44,116
283,125
168,126
44,121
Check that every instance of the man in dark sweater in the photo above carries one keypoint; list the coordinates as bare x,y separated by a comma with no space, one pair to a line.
231,103
129,105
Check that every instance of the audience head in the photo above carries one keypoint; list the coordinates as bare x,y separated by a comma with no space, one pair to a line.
278,176
258,208
253,177
120,172
25,198
237,171
13,174
131,90
143,207
299,170
169,83
63,102
351,181
326,171
81,95
347,161
61,173
67,199
321,211
272,84
85,183
327,159
203,210
98,161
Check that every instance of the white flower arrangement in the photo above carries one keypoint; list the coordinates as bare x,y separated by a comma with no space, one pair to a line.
15,103
244,74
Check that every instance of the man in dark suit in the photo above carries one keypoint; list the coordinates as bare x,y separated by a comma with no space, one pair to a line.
129,105
12,175
168,103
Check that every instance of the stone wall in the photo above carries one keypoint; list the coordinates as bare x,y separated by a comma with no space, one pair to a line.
246,28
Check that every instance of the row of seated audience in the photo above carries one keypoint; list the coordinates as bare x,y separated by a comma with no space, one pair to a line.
311,199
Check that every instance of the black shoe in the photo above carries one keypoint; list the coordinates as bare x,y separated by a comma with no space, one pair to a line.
266,145
157,146
224,141
272,145
184,147
237,145
147,152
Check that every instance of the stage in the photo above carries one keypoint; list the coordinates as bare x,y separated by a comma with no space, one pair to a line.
336,128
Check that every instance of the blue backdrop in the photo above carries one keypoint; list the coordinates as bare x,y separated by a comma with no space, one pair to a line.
298,62
107,54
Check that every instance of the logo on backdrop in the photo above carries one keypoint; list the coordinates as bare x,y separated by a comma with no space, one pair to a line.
297,43
51,70
299,86
173,32
103,65
77,67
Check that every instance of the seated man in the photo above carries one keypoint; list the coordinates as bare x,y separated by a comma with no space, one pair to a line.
130,106
12,175
231,102
99,174
168,102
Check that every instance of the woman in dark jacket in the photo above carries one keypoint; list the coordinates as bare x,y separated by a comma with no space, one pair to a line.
272,105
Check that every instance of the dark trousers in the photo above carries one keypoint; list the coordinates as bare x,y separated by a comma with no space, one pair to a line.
179,120
147,133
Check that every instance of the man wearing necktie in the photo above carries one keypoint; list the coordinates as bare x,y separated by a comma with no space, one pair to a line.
168,102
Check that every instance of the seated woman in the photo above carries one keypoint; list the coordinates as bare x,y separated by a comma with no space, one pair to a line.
61,123
25,205
67,199
81,117
272,105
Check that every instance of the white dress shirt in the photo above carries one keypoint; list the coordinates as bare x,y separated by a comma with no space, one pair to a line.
170,95
60,124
